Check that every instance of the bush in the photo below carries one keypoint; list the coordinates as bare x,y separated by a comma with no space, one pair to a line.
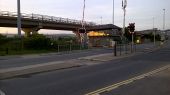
37,41
3,39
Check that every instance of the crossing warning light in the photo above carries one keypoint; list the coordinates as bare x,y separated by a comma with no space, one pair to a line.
82,30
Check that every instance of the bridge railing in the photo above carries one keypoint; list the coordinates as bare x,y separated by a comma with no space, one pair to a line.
45,18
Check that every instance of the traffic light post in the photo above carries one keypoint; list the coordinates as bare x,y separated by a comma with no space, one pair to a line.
83,37
132,42
131,28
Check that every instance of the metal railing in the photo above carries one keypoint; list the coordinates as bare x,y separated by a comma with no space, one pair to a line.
45,18
16,49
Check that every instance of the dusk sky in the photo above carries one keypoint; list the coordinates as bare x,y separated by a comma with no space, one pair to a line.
140,12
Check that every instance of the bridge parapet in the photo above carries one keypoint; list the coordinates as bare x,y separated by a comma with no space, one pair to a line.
45,18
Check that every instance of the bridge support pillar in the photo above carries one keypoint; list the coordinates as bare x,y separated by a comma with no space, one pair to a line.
30,31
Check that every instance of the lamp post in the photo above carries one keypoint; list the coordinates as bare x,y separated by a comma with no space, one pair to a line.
19,22
19,18
124,5
113,12
154,31
163,31
101,20
84,6
163,19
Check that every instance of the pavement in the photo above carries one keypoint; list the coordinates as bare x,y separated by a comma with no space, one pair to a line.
37,68
106,57
56,65
13,69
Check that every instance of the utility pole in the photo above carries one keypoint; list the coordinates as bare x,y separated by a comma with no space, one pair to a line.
19,18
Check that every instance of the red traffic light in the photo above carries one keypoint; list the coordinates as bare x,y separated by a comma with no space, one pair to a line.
131,27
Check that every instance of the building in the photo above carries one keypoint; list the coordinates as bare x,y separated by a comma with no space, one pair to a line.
102,35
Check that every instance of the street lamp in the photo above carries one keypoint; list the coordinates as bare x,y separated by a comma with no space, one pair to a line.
163,19
154,31
84,6
163,31
19,18
113,12
101,18
124,5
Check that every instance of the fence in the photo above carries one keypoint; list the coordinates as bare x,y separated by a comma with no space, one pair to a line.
121,49
17,48
69,47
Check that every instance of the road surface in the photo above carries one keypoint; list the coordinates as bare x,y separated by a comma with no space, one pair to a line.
82,80
20,61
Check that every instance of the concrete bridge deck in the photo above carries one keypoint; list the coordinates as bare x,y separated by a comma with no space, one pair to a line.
9,19
32,23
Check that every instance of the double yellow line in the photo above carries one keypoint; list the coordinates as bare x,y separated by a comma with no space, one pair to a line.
114,86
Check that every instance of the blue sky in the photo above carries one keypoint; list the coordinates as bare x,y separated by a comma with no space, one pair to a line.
139,11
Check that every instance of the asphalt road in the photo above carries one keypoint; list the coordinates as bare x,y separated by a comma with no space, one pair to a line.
156,84
81,80
19,61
